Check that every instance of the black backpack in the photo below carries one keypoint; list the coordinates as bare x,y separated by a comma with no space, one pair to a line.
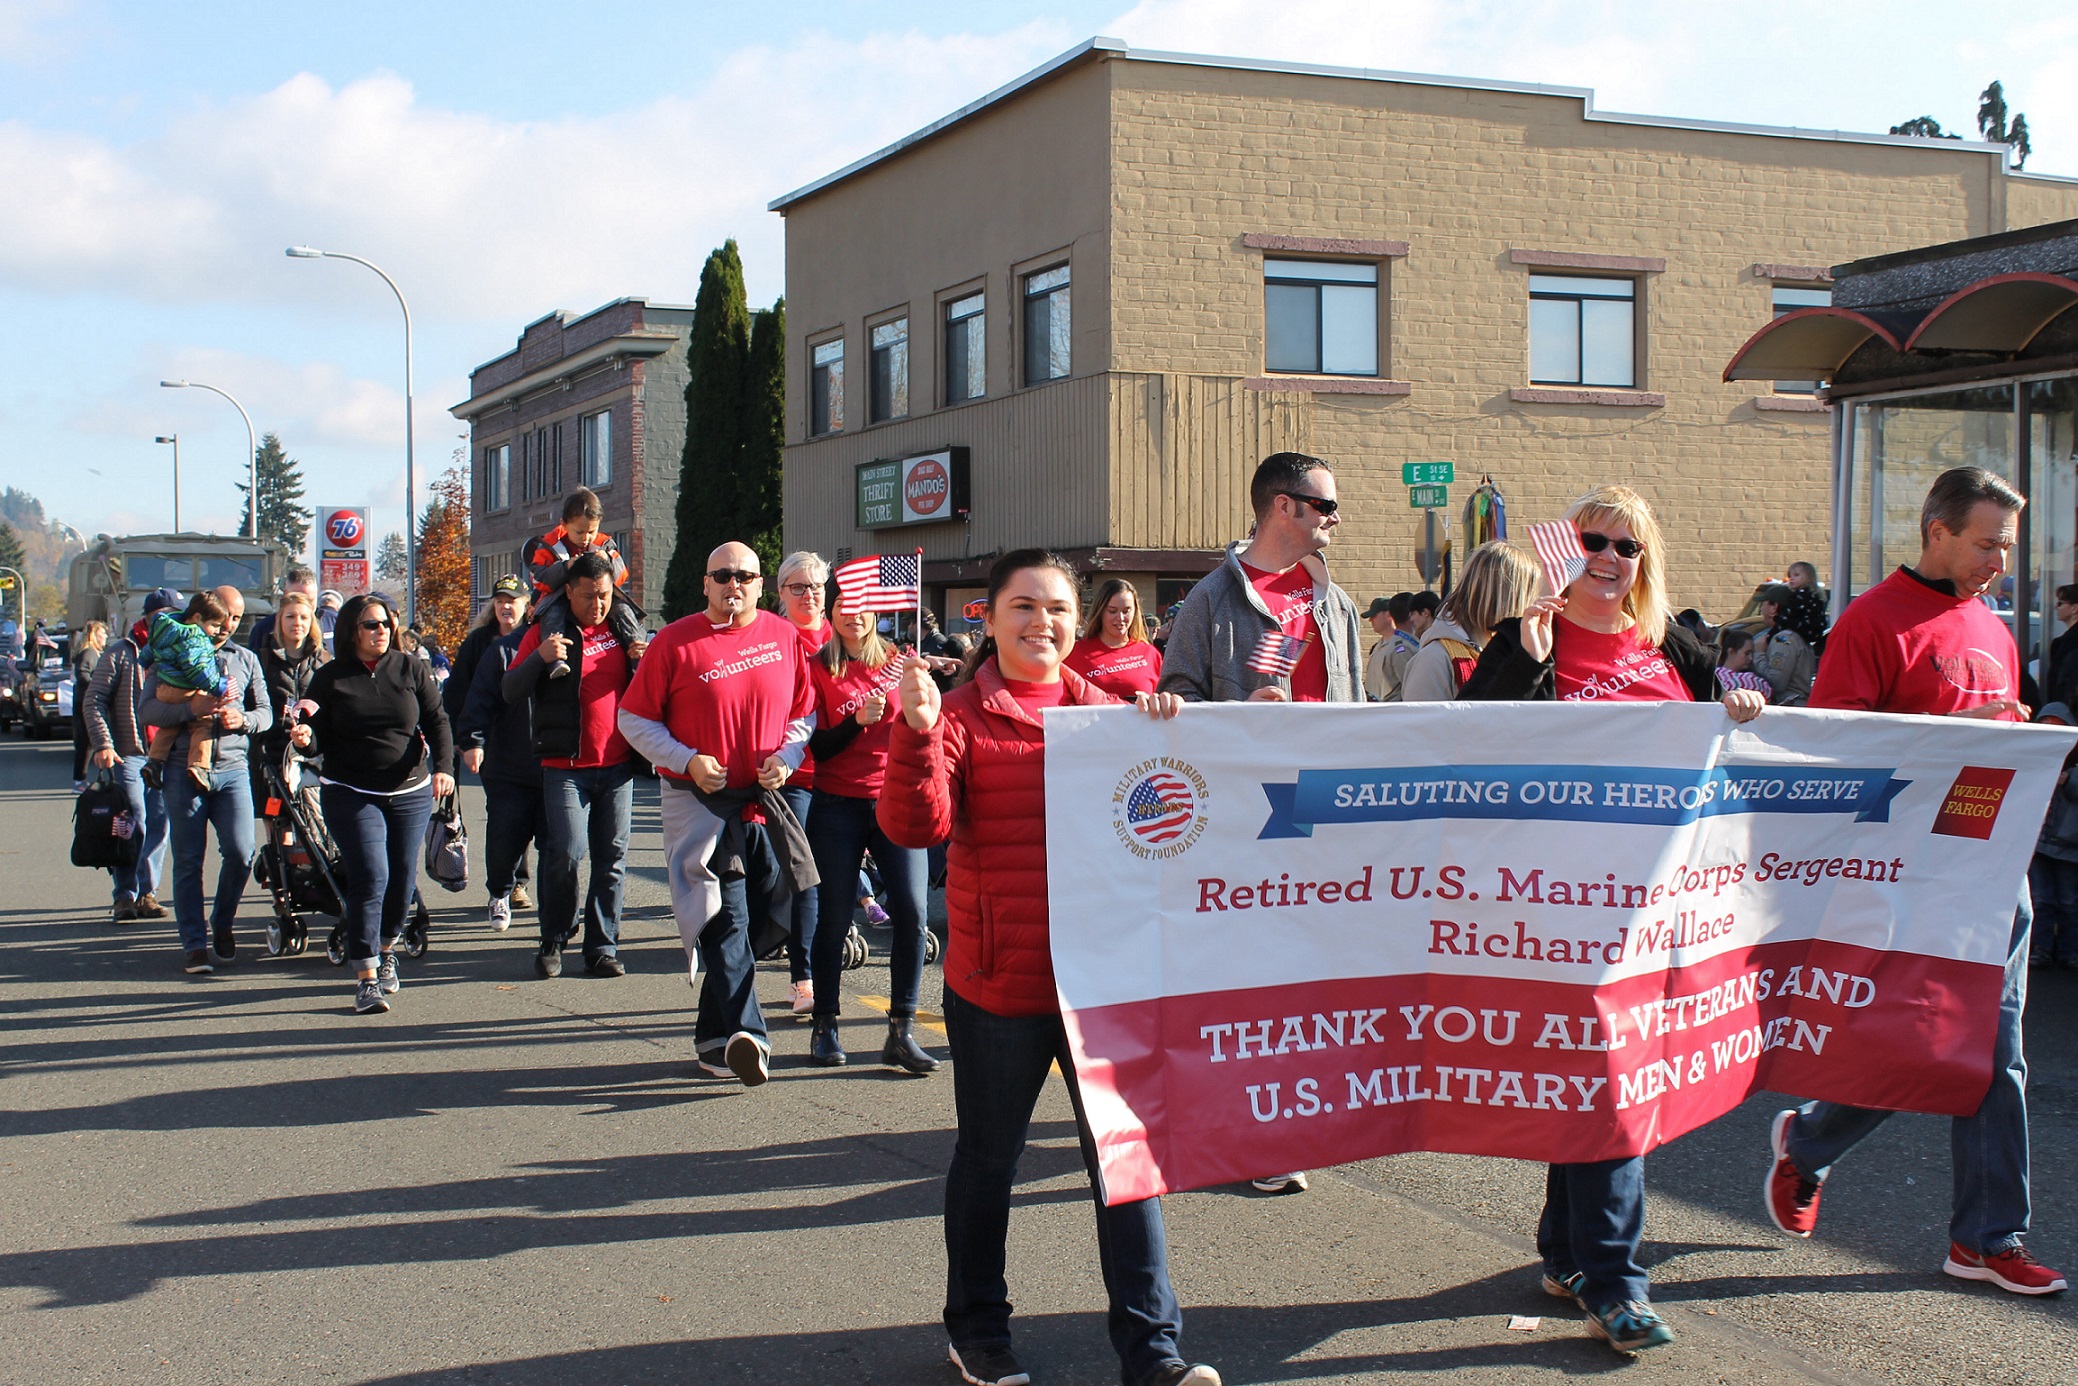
104,832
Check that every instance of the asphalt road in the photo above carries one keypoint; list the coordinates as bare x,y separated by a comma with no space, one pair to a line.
235,1179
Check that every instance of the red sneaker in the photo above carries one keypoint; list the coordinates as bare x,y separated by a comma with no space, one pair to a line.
1791,1198
2013,1270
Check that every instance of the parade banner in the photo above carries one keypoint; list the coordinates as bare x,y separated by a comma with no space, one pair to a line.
1289,937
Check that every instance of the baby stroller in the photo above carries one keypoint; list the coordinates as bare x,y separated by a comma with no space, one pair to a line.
300,866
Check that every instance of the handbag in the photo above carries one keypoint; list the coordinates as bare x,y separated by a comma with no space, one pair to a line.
447,845
104,832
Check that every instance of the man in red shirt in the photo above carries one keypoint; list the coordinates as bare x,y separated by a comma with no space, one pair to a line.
1922,641
587,768
722,705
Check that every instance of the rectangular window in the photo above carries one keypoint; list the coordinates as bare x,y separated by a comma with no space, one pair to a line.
595,448
555,445
890,371
966,370
1583,331
1321,317
826,387
497,477
1787,300
1046,325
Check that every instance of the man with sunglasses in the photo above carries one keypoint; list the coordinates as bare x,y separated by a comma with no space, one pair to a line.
1225,645
1269,624
722,705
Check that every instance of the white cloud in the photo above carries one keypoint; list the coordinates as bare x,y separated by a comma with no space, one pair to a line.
475,216
312,403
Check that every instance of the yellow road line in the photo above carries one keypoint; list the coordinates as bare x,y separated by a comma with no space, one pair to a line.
924,1018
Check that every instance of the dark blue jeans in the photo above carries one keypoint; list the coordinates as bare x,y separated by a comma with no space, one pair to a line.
148,811
800,947
840,833
1988,1150
2053,882
999,1066
191,811
1593,1217
594,806
511,820
380,838
729,977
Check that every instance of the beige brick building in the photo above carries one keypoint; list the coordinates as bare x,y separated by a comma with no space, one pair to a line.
1153,243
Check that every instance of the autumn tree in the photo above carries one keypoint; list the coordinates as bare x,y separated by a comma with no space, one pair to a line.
443,561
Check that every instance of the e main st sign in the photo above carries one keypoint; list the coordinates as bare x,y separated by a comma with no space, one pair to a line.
929,488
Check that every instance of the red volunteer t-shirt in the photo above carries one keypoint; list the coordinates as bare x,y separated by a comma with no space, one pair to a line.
1037,697
602,674
857,771
1591,667
1134,667
813,638
726,691
1289,595
1904,646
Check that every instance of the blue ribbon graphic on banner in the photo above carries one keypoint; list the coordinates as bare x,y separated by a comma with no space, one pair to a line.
1571,793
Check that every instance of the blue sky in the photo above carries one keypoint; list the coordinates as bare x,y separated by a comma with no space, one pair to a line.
506,160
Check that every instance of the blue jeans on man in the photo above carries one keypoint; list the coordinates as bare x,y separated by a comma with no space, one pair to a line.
590,808
1594,1215
191,810
512,818
142,874
1000,1063
728,983
1988,1150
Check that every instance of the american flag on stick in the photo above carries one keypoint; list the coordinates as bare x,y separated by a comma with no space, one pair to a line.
1558,549
1277,654
882,582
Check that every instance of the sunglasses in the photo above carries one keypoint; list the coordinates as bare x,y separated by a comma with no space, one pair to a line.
725,576
375,625
1320,503
1595,543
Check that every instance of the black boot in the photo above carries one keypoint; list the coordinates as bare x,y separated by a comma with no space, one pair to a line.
824,1048
903,1052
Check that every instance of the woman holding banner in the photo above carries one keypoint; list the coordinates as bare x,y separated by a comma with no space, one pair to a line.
1608,636
972,763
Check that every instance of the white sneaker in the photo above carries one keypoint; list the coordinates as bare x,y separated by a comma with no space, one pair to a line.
1294,1182
803,997
501,912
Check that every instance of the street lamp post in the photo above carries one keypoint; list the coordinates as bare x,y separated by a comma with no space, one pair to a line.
174,438
252,449
304,252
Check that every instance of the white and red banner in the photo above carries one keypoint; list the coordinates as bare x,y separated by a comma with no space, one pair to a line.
1299,936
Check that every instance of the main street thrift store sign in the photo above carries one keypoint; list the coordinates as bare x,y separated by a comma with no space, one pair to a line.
1288,937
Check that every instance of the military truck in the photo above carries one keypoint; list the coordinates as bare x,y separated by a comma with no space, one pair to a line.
110,581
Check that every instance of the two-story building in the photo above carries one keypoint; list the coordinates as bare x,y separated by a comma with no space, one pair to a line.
1077,311
597,401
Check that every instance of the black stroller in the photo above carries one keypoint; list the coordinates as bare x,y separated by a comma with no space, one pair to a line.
300,866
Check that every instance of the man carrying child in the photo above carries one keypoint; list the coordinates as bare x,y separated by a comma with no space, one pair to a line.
548,563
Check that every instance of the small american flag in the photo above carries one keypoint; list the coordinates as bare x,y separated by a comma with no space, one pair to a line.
1558,549
881,582
1277,654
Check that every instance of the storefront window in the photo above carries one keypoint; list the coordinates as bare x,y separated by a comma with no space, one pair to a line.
2052,495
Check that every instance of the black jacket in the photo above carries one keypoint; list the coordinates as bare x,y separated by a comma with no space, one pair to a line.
380,729
1506,673
288,682
461,672
503,731
556,715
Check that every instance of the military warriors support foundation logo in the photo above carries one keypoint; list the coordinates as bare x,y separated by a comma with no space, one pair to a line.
1158,808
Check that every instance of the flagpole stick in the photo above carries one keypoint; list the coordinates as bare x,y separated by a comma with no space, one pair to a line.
919,601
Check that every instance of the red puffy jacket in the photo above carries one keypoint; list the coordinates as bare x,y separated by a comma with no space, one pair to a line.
980,775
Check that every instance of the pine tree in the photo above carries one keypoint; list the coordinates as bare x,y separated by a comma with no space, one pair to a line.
392,559
717,362
11,552
443,561
282,516
760,477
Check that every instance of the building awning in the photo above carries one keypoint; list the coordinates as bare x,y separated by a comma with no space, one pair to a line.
2002,313
1807,344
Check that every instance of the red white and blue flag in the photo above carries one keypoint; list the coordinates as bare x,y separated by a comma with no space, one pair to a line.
1558,550
1160,808
1277,654
882,582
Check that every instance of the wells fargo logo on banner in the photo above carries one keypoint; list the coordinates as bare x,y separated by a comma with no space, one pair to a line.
1531,930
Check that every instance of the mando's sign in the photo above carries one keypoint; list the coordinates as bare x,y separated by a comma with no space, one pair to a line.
927,489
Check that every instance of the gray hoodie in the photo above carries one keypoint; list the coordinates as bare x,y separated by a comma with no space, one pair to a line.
1223,620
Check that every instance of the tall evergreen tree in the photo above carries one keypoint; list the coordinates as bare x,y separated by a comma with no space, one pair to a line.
392,559
12,554
760,478
282,514
717,367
